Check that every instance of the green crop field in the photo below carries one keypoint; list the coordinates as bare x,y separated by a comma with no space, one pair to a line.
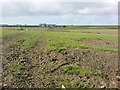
61,40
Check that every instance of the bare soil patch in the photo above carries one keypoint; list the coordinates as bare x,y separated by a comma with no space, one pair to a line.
108,44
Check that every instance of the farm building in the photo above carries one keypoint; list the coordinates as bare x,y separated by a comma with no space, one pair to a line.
51,25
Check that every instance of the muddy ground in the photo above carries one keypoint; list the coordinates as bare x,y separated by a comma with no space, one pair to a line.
40,67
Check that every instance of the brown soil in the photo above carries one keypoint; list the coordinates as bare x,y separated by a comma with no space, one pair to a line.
110,32
108,44
41,67
9,40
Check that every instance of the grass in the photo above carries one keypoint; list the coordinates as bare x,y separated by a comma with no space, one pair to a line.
69,69
59,40
63,40
6,33
104,49
29,39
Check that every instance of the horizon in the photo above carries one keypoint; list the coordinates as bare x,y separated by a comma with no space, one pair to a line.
60,24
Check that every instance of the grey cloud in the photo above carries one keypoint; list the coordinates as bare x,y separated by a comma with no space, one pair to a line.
11,9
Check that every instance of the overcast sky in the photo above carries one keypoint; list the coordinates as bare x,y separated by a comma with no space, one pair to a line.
77,13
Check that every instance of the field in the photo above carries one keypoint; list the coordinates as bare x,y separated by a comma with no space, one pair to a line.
52,57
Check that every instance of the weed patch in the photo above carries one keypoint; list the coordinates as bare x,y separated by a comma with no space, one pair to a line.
15,68
69,69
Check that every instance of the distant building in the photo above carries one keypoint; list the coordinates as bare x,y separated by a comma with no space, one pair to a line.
42,25
51,25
